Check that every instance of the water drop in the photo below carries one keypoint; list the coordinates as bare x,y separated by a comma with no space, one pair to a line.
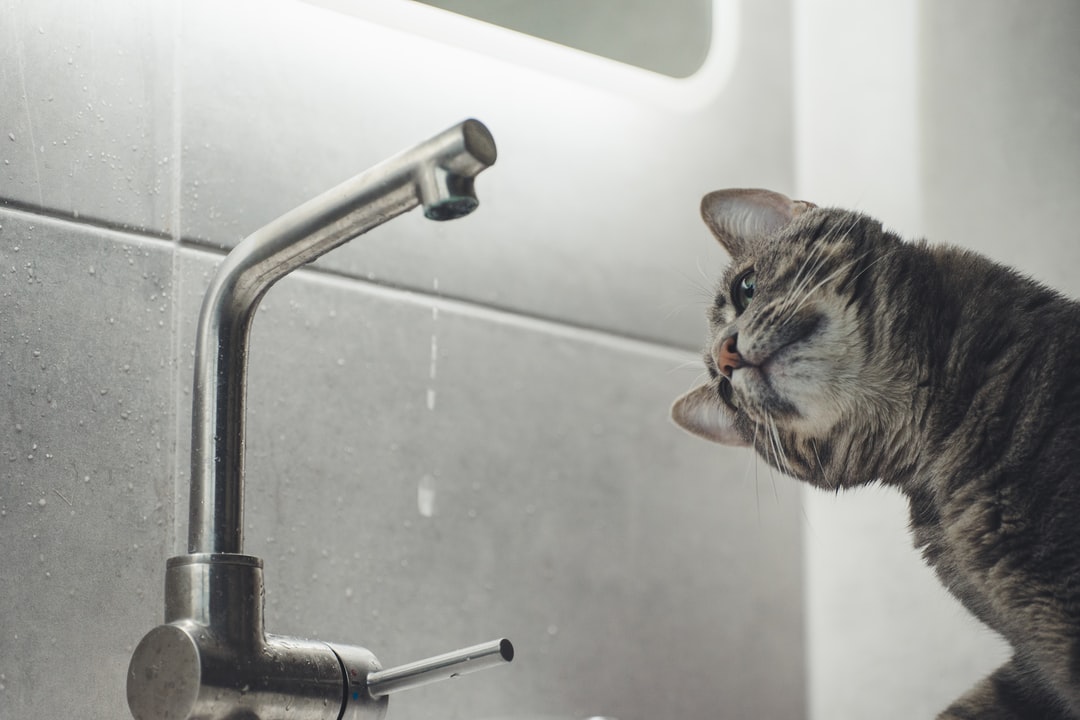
42,502
425,496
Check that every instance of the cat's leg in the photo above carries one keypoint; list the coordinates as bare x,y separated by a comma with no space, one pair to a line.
1007,694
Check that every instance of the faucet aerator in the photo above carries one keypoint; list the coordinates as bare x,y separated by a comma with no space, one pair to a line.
451,208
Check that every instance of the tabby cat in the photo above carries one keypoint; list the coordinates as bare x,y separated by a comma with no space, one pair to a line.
844,356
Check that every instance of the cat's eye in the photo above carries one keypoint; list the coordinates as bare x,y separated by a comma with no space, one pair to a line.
743,291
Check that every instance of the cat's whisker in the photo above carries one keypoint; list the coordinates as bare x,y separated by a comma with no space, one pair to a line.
818,256
772,451
702,291
781,453
705,288
686,366
859,274
842,269
680,307
701,271
754,463
824,475
776,458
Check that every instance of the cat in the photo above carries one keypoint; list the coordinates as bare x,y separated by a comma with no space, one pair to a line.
844,356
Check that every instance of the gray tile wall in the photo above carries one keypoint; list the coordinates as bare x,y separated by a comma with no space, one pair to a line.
88,430
530,485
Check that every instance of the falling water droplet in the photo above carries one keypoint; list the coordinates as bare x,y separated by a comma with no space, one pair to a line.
425,496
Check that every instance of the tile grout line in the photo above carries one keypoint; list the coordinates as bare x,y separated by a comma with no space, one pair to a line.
388,289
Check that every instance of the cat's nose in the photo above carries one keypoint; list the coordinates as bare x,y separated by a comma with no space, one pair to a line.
729,358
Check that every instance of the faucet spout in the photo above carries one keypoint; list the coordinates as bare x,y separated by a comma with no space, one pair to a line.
438,174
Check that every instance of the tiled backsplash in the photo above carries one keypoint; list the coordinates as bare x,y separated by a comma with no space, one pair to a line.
474,444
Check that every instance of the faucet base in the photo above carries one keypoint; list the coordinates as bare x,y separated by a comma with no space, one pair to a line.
212,657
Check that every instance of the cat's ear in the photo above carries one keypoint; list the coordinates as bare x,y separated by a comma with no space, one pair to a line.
702,413
738,216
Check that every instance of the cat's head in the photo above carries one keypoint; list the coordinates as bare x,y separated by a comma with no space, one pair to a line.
790,351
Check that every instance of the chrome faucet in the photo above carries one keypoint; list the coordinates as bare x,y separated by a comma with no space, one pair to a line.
212,659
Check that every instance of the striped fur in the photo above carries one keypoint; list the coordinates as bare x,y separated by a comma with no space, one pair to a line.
930,369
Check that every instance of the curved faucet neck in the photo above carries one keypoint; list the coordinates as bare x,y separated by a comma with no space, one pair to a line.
437,173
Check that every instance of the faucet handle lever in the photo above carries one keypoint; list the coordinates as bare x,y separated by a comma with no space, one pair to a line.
367,685
441,667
